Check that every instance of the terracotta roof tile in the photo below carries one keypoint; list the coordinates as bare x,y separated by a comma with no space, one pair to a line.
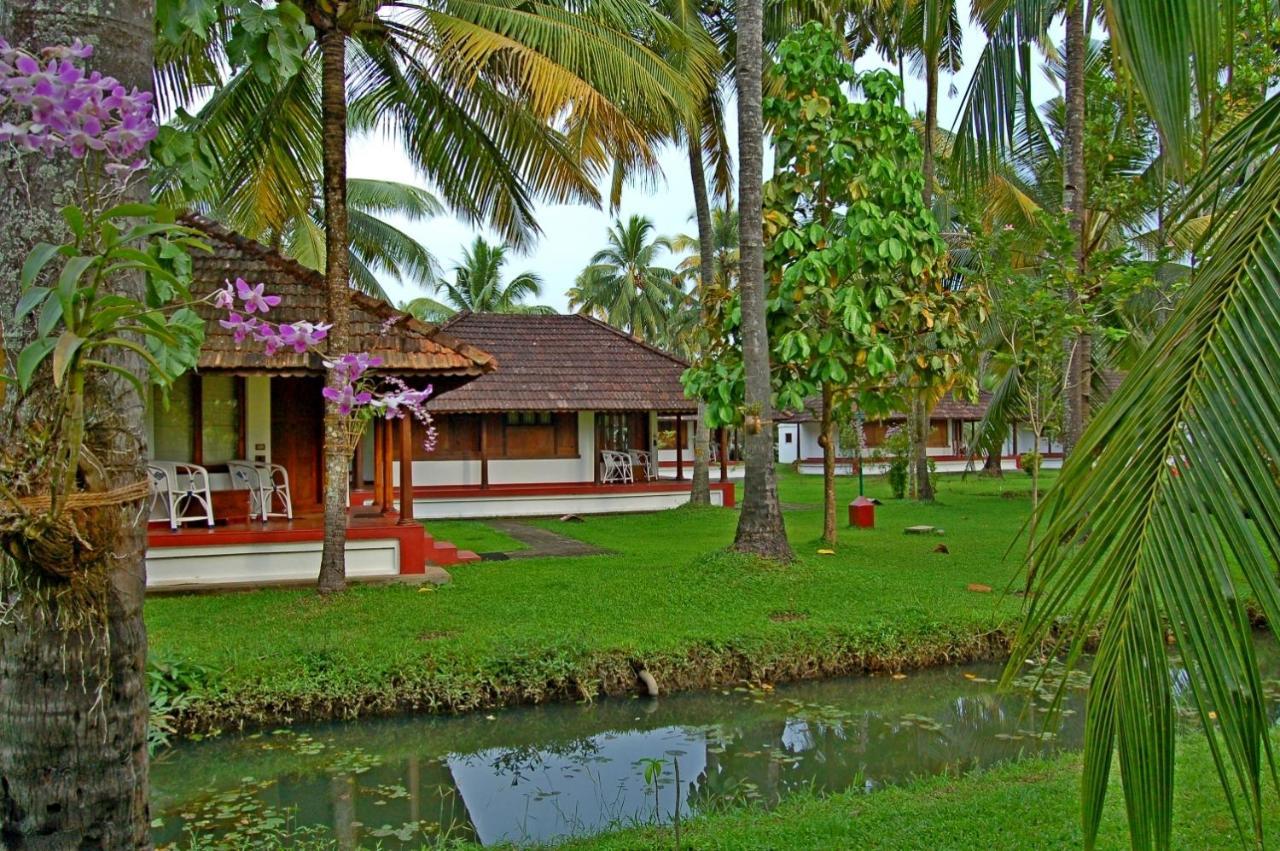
563,363
407,346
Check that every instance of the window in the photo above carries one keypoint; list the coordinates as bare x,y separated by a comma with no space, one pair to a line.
220,418
667,433
203,422
174,432
528,418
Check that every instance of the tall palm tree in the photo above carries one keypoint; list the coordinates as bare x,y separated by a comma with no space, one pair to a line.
478,286
760,527
73,691
1169,503
933,34
478,94
624,285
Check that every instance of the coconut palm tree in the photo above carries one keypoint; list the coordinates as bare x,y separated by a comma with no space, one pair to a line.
760,527
624,285
478,286
477,93
932,33
1169,503
377,249
73,689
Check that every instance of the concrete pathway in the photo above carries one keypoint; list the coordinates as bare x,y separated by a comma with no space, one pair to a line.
539,542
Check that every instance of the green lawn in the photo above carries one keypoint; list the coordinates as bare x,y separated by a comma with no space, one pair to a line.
668,597
474,535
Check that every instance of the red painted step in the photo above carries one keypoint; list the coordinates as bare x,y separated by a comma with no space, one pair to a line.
466,556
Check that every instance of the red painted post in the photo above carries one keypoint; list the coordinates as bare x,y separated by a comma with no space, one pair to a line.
862,513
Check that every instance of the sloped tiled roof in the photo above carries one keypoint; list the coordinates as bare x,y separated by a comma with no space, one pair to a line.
563,363
406,346
948,408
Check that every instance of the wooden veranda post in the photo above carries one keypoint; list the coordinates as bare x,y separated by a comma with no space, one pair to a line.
406,471
377,464
388,451
484,450
679,448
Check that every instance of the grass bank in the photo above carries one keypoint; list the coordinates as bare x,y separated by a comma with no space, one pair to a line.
667,597
1029,804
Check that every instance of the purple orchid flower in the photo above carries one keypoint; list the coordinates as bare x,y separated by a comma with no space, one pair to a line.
225,298
239,327
347,398
253,297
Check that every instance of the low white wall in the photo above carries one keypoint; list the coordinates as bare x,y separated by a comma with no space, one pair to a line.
249,564
552,505
810,448
814,468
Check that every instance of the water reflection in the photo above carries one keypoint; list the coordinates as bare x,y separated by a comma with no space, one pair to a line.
541,774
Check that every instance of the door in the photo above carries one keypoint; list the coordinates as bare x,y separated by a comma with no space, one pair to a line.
297,437
788,447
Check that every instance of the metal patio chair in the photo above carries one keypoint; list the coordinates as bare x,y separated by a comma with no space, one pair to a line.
644,460
176,487
268,486
617,467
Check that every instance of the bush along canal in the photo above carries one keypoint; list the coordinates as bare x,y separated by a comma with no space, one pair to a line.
541,774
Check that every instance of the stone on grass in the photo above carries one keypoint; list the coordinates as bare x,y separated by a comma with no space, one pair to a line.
571,518
942,548
920,530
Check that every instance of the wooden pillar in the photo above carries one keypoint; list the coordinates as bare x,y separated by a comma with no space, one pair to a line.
484,450
406,471
679,448
378,495
388,457
358,480
723,439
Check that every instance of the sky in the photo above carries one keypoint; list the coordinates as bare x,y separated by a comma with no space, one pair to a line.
572,233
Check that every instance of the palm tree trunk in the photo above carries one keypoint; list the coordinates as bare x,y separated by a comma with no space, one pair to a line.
760,527
921,407
1079,349
827,440
333,106
73,699
701,494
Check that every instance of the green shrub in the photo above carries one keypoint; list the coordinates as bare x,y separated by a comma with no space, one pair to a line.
1030,462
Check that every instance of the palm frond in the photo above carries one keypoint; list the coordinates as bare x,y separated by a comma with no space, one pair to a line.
1172,483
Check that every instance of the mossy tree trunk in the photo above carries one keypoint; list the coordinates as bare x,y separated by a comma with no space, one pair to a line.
73,698
760,527
337,460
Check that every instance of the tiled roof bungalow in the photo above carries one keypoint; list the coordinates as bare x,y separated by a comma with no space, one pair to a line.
241,406
952,425
528,411
535,436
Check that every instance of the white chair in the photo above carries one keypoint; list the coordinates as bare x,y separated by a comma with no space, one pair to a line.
175,487
643,460
268,486
617,467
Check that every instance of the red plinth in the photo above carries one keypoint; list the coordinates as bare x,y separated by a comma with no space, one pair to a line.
862,513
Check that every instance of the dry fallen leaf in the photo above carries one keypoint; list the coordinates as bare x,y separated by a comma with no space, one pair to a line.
826,552
899,676
979,588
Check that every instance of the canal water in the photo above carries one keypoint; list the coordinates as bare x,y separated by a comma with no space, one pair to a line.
541,774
